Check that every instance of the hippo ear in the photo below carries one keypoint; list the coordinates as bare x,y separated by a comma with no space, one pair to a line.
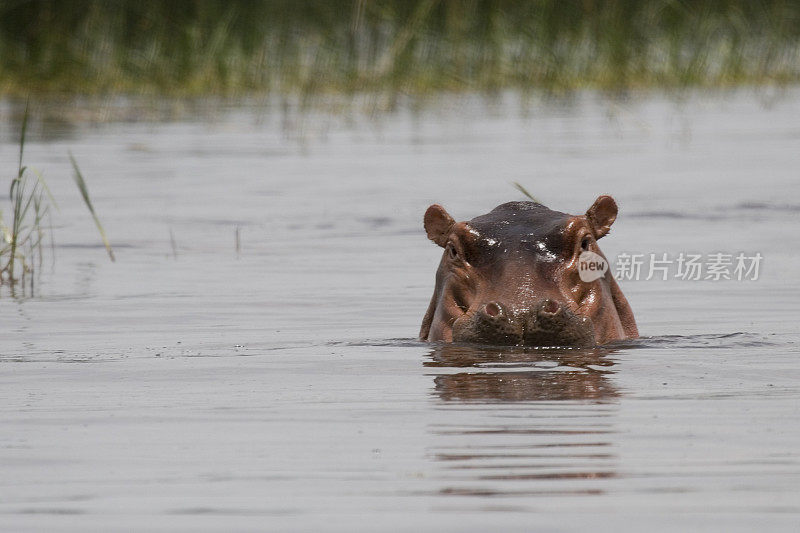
438,224
601,215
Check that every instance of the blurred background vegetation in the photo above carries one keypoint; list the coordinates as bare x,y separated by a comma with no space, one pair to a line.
242,47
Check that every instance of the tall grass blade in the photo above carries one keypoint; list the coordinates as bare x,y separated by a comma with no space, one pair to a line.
45,188
524,191
81,183
22,139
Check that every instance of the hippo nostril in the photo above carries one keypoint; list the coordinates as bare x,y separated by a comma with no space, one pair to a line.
550,307
492,309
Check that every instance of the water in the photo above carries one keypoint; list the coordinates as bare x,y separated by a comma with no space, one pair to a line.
281,387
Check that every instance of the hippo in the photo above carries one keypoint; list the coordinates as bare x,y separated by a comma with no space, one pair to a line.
513,277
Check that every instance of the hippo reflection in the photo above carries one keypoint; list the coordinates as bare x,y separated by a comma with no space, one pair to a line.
511,277
515,383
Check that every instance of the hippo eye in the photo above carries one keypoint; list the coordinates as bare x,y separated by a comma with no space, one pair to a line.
585,243
451,251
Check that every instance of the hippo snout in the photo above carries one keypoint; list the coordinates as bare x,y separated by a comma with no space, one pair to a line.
491,323
551,324
548,323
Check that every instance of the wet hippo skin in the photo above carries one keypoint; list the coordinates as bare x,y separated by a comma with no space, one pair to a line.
511,277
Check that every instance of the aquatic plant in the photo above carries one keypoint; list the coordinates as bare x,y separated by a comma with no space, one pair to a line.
517,185
21,247
84,190
312,47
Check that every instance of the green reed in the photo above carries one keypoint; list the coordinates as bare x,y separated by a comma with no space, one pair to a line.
80,181
233,47
21,245
21,241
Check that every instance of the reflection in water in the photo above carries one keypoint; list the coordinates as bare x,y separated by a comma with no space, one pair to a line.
523,422
517,374
522,386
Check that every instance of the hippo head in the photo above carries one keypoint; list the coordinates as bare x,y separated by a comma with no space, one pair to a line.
511,277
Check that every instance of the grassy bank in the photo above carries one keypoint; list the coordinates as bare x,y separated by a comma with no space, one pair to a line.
237,47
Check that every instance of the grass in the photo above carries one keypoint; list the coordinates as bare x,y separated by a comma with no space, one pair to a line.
524,191
84,190
21,247
241,47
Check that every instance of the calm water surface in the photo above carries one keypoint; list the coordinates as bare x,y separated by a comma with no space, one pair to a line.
193,386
